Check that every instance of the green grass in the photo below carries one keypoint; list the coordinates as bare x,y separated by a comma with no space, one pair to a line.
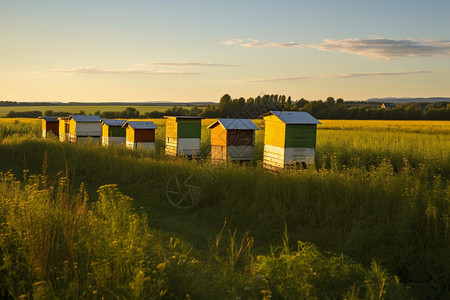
89,109
371,196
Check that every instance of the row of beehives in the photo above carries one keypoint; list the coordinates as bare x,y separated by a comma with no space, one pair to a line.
290,137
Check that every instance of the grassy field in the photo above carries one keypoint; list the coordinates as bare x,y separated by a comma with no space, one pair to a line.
88,109
378,194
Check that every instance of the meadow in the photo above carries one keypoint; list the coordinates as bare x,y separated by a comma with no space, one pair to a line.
370,219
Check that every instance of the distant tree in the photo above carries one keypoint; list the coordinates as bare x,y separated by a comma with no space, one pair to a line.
195,111
176,111
24,114
131,112
301,103
154,114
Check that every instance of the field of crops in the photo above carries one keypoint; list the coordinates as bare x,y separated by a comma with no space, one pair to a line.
88,109
370,219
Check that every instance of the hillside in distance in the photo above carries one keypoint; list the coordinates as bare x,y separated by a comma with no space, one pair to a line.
409,100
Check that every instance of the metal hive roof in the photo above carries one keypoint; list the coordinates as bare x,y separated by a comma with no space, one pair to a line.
113,122
183,117
82,118
239,124
294,117
140,125
50,119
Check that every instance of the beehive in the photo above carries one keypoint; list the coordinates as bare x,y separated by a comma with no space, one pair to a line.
64,129
290,137
112,132
84,128
183,135
50,125
140,134
232,139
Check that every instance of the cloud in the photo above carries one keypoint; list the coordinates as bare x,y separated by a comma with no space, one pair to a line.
387,48
189,64
381,48
250,43
343,75
99,70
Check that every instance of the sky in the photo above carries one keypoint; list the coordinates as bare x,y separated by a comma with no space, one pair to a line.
108,50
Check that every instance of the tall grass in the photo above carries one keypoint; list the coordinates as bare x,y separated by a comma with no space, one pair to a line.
56,244
53,243
18,128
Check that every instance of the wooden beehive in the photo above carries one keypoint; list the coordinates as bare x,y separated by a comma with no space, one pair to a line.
183,135
140,134
64,129
290,137
84,128
112,132
50,125
232,139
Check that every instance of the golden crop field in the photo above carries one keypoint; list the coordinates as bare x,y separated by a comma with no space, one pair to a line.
388,125
88,109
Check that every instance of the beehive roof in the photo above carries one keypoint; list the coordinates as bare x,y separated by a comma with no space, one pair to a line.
82,118
140,125
49,119
113,122
239,124
184,117
294,117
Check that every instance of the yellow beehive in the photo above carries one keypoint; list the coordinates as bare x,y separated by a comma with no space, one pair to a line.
84,128
290,137
183,135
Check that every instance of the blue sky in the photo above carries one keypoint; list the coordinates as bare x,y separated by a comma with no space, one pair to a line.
200,50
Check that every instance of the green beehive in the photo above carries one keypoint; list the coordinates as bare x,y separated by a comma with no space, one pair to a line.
183,135
290,137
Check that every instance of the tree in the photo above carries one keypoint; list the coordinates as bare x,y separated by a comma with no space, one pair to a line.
195,111
330,100
131,112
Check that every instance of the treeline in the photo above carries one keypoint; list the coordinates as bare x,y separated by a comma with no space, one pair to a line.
329,109
254,107
37,113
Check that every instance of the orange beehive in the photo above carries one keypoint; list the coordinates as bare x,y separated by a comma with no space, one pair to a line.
50,125
232,139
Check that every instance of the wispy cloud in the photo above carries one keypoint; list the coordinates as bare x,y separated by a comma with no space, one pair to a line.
387,48
100,70
258,44
175,68
187,64
380,48
343,75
